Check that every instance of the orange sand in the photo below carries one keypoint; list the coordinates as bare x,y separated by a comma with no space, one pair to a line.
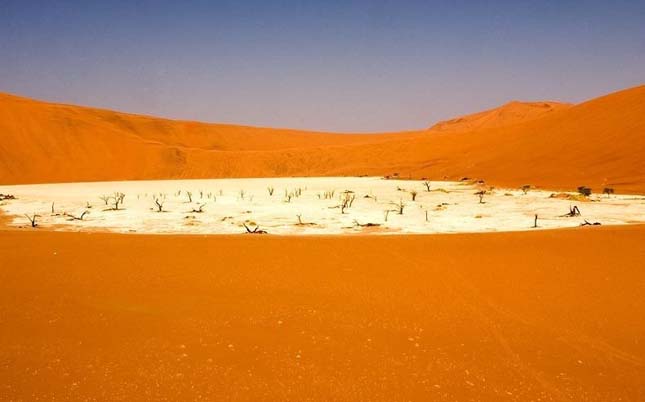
551,316
596,143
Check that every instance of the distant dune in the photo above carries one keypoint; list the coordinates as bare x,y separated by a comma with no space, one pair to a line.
552,145
512,113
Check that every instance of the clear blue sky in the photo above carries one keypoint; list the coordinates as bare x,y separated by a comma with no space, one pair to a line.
325,65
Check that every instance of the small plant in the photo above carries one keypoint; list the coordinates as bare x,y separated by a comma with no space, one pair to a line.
270,190
525,188
586,191
32,219
413,194
608,190
427,185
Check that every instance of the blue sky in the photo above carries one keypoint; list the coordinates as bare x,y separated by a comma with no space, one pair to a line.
330,65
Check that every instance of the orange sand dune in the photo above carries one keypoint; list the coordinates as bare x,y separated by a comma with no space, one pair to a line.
509,114
548,315
596,143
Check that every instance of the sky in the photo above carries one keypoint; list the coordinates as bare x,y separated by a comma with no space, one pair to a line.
344,66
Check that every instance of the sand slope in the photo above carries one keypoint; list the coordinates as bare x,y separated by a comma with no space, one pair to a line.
512,113
550,316
596,143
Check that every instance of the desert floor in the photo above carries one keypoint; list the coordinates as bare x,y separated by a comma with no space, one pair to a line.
307,206
553,315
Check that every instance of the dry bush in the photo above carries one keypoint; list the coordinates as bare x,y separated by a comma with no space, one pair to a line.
525,188
608,191
255,230
199,209
583,190
481,194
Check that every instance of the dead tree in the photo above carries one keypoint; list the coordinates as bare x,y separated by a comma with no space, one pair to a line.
573,211
190,196
427,185
32,219
270,190
481,195
400,207
159,203
587,223
199,209
255,230
77,218
343,205
608,191
387,213
535,221
106,199
525,188
365,225
117,199
413,194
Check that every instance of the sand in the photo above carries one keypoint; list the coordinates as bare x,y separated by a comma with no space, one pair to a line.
308,206
596,143
523,315
546,315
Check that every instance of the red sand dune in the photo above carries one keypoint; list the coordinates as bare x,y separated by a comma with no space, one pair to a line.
507,115
596,143
548,315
